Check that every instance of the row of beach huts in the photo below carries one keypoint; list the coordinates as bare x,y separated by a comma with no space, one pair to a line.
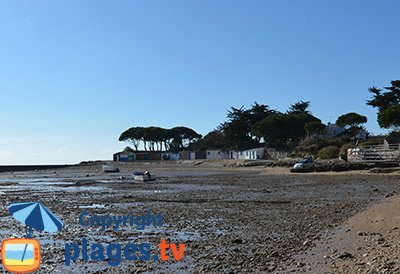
128,155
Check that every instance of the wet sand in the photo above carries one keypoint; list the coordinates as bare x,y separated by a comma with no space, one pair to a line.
232,220
366,243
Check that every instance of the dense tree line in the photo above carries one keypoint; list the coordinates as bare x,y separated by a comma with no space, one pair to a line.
259,124
262,125
158,139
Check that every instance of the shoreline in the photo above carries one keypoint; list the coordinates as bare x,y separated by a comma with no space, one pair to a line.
15,168
232,219
365,243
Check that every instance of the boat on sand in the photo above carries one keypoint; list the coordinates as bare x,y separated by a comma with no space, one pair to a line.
143,176
109,168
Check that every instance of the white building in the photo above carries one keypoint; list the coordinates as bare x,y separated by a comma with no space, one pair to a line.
332,130
248,154
254,153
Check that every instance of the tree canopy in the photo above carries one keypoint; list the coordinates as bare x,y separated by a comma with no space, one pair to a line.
387,104
390,117
352,122
351,119
314,127
299,107
285,129
238,129
157,138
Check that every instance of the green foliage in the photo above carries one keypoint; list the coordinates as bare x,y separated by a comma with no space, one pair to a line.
299,107
133,135
388,105
308,141
390,117
351,119
214,139
372,142
238,129
182,136
383,100
343,150
314,127
352,122
329,152
310,146
306,151
283,130
155,138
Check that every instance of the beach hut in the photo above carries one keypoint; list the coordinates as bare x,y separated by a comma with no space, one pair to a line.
213,154
127,155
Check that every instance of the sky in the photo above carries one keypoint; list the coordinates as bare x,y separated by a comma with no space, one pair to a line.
75,74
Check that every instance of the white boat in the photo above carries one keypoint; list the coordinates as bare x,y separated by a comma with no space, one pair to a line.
143,176
109,168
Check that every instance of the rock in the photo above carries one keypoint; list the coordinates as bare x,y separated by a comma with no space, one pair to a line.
274,254
345,255
237,241
362,233
300,264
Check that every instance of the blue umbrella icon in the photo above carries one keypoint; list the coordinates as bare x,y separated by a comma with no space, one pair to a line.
36,216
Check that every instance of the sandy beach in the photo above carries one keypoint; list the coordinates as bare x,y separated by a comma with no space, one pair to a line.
231,219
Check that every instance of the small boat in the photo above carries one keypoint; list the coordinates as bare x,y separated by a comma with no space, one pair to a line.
109,168
143,176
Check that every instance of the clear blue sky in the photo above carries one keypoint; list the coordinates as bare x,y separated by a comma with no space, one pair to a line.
75,74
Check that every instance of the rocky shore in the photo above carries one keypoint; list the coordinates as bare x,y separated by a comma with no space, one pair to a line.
232,219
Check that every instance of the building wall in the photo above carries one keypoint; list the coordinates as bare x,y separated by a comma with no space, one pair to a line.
120,157
201,154
225,155
332,130
184,155
170,156
213,154
254,154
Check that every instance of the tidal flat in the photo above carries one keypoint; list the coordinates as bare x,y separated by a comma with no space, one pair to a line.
231,219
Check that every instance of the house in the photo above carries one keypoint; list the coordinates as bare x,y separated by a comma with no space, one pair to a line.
147,155
213,154
187,155
248,154
127,155
200,154
236,154
225,154
333,130
254,153
170,156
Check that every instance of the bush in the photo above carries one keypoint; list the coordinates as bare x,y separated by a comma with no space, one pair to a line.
308,141
329,152
371,142
343,150
305,151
